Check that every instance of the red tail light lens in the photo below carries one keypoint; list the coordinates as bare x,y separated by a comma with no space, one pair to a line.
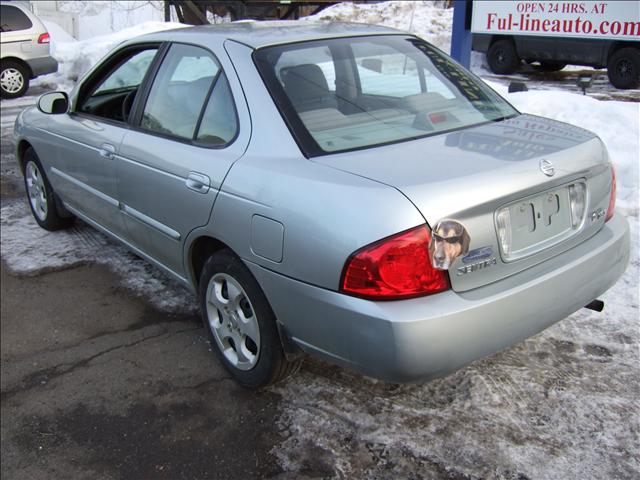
612,198
394,268
44,38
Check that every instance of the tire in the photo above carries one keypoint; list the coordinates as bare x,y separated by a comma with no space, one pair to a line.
14,79
44,205
502,57
623,68
240,323
551,66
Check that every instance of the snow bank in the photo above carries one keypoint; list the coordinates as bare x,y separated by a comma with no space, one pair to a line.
58,35
75,58
102,17
425,19
28,249
616,123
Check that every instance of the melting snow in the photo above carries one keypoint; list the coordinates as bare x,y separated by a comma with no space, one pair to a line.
28,249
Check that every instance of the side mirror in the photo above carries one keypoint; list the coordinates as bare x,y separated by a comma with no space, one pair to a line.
53,103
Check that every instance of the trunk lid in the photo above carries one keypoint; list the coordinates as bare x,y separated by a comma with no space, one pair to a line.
470,175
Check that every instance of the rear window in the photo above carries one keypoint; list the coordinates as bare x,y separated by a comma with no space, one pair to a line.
350,93
13,19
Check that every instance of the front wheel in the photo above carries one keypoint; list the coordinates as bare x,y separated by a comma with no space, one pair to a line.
42,200
240,323
502,57
14,79
623,68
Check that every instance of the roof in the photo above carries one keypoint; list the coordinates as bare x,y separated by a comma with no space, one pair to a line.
261,34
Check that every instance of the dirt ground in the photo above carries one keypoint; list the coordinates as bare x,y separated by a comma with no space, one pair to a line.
96,383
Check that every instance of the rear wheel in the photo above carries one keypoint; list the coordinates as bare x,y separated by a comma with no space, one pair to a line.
623,68
42,199
502,57
14,79
240,323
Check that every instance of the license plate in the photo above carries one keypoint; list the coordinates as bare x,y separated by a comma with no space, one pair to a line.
535,223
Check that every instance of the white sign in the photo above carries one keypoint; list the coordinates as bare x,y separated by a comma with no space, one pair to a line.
584,19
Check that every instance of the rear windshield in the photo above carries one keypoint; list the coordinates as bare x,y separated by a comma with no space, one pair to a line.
350,93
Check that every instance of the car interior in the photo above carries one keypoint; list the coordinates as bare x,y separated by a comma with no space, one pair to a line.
347,101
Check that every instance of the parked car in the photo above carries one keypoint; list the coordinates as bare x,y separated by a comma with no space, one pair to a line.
505,54
25,49
343,190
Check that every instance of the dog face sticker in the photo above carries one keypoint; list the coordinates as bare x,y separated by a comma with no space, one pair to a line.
449,240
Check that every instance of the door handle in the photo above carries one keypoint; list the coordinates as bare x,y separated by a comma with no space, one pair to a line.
107,151
198,182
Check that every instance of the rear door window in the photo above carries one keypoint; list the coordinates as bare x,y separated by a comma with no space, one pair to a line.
13,19
190,99
179,91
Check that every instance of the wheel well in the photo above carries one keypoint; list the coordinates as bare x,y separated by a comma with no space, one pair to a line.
496,38
615,46
201,249
21,62
22,148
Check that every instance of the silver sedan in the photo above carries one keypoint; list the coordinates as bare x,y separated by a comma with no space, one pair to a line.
341,190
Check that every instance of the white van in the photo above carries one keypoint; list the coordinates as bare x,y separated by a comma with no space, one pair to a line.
25,49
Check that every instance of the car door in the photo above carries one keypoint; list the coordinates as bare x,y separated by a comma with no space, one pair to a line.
186,135
84,173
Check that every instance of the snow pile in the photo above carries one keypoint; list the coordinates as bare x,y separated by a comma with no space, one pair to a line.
29,250
616,123
58,35
75,58
96,18
428,20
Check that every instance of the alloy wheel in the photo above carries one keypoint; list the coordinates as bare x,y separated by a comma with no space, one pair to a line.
233,321
11,80
36,191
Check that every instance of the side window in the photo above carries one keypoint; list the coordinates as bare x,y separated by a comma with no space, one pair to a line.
385,71
219,122
129,74
13,19
113,94
179,91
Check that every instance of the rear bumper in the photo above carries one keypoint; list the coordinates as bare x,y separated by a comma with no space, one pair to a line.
427,337
42,66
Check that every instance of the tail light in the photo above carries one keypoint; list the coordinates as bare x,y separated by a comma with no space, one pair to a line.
612,198
44,38
393,268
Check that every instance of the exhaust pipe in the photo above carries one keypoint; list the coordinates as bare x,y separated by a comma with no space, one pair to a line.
596,305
